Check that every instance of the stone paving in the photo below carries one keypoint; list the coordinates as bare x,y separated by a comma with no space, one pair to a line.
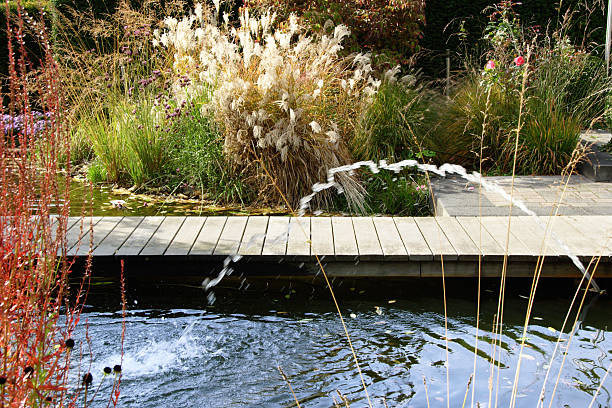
456,197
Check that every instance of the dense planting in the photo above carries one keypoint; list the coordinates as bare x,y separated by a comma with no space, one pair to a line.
254,106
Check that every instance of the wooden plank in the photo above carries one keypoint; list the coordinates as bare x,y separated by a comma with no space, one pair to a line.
534,235
163,236
458,238
231,236
367,238
276,237
481,237
208,237
413,240
322,236
70,222
451,269
389,238
436,240
298,243
595,228
79,235
100,231
581,243
111,243
185,236
498,228
345,244
254,236
140,236
373,269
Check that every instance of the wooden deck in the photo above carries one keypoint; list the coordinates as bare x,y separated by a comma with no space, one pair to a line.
354,246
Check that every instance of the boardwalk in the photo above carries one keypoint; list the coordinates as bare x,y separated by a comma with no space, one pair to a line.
355,246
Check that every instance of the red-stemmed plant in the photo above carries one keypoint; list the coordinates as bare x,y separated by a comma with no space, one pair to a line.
37,315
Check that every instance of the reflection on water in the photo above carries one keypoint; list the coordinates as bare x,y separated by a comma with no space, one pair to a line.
179,351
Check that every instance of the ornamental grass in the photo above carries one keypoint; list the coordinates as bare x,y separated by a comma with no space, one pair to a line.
285,101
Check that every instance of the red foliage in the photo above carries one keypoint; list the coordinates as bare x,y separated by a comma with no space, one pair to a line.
36,318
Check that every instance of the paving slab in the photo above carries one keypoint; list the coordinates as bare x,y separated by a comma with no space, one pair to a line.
543,195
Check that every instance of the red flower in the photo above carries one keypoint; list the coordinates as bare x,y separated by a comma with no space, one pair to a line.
519,61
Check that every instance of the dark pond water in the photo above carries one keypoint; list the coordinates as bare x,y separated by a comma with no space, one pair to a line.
182,352
100,198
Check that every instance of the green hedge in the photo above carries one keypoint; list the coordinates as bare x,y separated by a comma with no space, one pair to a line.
443,19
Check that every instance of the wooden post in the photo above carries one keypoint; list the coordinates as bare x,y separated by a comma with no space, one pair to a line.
608,36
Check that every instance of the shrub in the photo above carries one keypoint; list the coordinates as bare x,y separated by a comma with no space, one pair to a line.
96,173
397,123
196,160
573,80
458,24
81,150
107,143
469,122
285,101
565,90
399,194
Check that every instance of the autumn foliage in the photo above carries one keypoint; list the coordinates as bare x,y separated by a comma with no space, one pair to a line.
36,320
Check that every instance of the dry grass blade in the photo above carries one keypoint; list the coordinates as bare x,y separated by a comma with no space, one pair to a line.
574,327
467,391
343,399
502,290
280,370
426,392
331,291
534,284
603,379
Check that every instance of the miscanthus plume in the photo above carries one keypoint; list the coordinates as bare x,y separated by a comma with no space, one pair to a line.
286,100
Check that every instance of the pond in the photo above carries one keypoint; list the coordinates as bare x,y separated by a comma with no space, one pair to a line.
101,197
181,351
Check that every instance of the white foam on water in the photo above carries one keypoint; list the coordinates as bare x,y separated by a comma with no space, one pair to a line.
160,355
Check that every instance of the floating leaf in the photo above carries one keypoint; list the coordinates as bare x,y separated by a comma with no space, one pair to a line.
552,329
392,301
353,315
